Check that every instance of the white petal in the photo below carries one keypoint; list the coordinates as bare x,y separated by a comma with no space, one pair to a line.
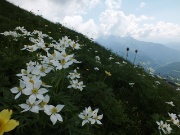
47,110
58,116
81,116
17,95
35,109
22,84
32,98
100,117
46,98
42,90
24,106
59,107
14,90
84,122
40,96
27,91
93,121
53,119
98,122
37,84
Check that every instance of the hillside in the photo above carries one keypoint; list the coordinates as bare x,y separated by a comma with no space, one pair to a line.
130,99
153,54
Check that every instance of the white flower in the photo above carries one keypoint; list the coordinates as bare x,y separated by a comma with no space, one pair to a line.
19,89
111,58
170,103
44,102
74,75
34,91
96,68
53,112
96,118
90,116
86,116
131,84
41,70
31,107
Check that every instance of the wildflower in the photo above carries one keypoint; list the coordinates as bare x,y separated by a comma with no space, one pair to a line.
107,73
96,68
164,127
74,75
131,84
34,91
44,102
86,116
170,103
19,89
33,107
96,118
111,58
53,111
124,62
90,116
7,124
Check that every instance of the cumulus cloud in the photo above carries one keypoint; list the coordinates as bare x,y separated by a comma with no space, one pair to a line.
57,9
113,4
112,21
88,28
117,23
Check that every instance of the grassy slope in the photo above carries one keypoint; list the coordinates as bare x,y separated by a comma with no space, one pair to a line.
127,110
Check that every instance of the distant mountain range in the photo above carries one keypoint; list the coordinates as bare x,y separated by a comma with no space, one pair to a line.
173,45
172,70
153,54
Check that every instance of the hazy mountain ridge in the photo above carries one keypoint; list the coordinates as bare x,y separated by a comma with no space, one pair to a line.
172,69
154,54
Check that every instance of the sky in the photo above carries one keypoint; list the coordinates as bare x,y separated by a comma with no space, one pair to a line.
146,20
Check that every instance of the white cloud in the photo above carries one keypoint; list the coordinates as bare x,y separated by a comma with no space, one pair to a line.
113,4
142,4
112,21
57,9
88,28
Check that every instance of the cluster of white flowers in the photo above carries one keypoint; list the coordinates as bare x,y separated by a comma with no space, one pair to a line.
90,116
164,127
74,82
31,84
151,71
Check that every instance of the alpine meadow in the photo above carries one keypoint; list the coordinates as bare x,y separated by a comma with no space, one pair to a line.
54,80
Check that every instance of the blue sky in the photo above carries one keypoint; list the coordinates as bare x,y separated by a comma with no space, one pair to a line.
146,20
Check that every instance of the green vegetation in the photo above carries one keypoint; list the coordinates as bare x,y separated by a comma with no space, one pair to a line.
127,109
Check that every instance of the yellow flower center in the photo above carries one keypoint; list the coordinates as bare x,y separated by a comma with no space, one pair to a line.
42,69
54,110
74,45
63,62
54,55
35,91
25,72
43,103
86,117
2,125
20,89
32,81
